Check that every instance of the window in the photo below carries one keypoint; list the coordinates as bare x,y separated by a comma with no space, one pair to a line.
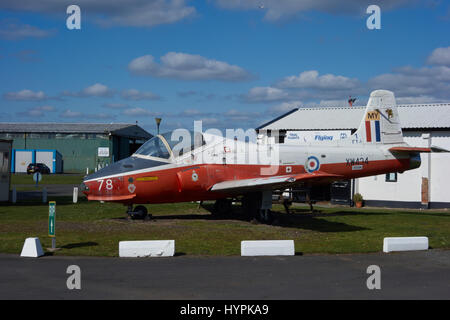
154,148
391,177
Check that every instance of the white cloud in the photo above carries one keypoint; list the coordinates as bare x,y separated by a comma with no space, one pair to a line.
187,67
19,31
240,116
191,113
409,84
70,114
311,80
440,56
415,82
265,94
37,112
284,107
136,13
86,116
415,100
139,112
25,95
95,90
99,116
336,103
136,95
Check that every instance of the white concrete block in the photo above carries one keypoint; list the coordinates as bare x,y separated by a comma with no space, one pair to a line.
151,248
75,194
32,248
268,248
405,244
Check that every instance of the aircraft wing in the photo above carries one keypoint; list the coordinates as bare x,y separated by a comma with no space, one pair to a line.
414,149
273,182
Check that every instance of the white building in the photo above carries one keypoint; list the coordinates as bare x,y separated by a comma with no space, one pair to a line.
423,125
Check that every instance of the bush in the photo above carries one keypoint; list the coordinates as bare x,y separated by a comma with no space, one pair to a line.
357,197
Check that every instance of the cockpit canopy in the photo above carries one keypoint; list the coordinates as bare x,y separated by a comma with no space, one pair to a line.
174,143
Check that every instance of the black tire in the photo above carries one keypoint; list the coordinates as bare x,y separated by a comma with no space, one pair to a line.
139,212
222,207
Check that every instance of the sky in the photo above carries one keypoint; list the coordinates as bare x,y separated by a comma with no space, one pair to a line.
229,63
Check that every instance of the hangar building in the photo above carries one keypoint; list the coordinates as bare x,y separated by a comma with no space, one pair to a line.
5,169
423,125
81,145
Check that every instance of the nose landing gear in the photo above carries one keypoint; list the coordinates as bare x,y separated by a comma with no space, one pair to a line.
139,212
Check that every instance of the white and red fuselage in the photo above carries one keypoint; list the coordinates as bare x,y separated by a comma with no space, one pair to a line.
140,179
216,167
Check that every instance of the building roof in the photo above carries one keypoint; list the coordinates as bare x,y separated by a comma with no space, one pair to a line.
117,129
412,116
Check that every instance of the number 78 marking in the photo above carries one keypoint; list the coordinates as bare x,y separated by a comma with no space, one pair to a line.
109,184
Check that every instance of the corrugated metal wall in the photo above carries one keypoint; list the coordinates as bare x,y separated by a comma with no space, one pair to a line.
79,151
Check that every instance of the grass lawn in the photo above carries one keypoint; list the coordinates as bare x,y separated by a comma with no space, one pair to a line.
93,228
22,178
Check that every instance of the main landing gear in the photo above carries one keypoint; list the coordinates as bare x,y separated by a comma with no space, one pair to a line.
222,207
139,212
257,205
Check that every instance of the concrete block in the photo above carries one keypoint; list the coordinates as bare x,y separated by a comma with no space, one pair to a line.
32,248
151,248
268,248
75,194
405,244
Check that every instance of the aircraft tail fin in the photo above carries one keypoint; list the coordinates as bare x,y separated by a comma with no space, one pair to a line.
380,123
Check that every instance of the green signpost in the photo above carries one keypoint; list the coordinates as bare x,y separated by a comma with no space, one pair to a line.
37,177
51,222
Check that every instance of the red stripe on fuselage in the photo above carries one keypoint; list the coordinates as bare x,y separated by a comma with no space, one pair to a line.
368,133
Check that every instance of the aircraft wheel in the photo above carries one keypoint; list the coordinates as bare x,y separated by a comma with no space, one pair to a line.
222,207
139,212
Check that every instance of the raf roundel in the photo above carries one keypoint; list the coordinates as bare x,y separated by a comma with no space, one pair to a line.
312,164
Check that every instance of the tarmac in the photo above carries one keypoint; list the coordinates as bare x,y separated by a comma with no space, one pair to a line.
403,275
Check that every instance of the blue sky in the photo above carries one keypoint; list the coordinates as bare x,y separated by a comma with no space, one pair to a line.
232,64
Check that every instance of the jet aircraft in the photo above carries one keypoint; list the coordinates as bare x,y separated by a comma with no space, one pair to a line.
218,168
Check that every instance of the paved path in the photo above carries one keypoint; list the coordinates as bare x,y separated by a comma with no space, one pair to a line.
407,275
